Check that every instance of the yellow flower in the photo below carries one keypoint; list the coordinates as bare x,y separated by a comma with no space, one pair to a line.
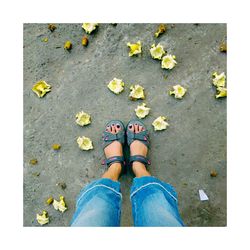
83,118
168,61
42,218
41,88
161,29
68,45
60,205
89,27
157,52
219,80
222,92
135,48
136,92
142,111
178,91
159,123
116,85
84,143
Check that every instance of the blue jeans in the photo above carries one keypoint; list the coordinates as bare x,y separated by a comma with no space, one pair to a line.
154,203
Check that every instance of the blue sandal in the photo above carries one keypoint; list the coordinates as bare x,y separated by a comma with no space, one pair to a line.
108,138
142,136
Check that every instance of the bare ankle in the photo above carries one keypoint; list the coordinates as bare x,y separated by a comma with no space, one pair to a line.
113,171
139,169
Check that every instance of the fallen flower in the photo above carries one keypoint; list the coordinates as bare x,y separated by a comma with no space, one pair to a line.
178,91
159,123
223,47
68,45
157,52
89,27
135,48
168,61
219,80
45,39
84,143
116,85
136,92
85,41
56,146
42,218
213,173
83,118
222,92
60,205
51,27
161,29
49,200
41,88
33,161
142,111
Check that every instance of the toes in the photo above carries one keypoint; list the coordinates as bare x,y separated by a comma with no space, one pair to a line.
108,129
118,127
140,128
131,127
113,129
136,128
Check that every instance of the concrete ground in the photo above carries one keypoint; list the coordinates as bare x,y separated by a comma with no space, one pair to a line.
183,155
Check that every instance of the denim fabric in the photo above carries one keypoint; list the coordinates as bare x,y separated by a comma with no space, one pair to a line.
98,204
154,203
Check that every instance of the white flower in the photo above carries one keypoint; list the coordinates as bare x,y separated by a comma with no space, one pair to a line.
60,205
168,61
178,91
116,85
135,48
142,111
157,51
89,27
136,92
42,218
219,80
84,143
83,118
159,123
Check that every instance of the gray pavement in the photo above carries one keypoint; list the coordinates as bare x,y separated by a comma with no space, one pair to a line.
183,155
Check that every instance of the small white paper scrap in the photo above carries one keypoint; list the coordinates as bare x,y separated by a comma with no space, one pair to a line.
203,196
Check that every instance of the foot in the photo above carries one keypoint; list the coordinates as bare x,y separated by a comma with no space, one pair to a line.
138,148
113,149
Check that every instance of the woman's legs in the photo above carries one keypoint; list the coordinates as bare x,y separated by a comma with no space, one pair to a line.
99,203
154,203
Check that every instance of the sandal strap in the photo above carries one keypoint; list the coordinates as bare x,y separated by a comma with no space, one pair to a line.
108,138
139,158
113,159
142,136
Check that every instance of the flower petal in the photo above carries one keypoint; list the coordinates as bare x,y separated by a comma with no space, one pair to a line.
178,91
60,205
168,61
219,80
136,92
41,88
43,218
116,86
159,123
83,118
157,52
142,111
161,29
84,143
135,48
222,92
89,27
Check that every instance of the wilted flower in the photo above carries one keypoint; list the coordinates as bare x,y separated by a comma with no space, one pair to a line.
60,205
41,88
116,85
222,92
84,143
178,91
161,29
168,61
157,51
83,118
56,146
159,123
136,92
223,47
142,111
68,45
49,200
42,218
219,80
85,41
51,27
135,48
89,27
